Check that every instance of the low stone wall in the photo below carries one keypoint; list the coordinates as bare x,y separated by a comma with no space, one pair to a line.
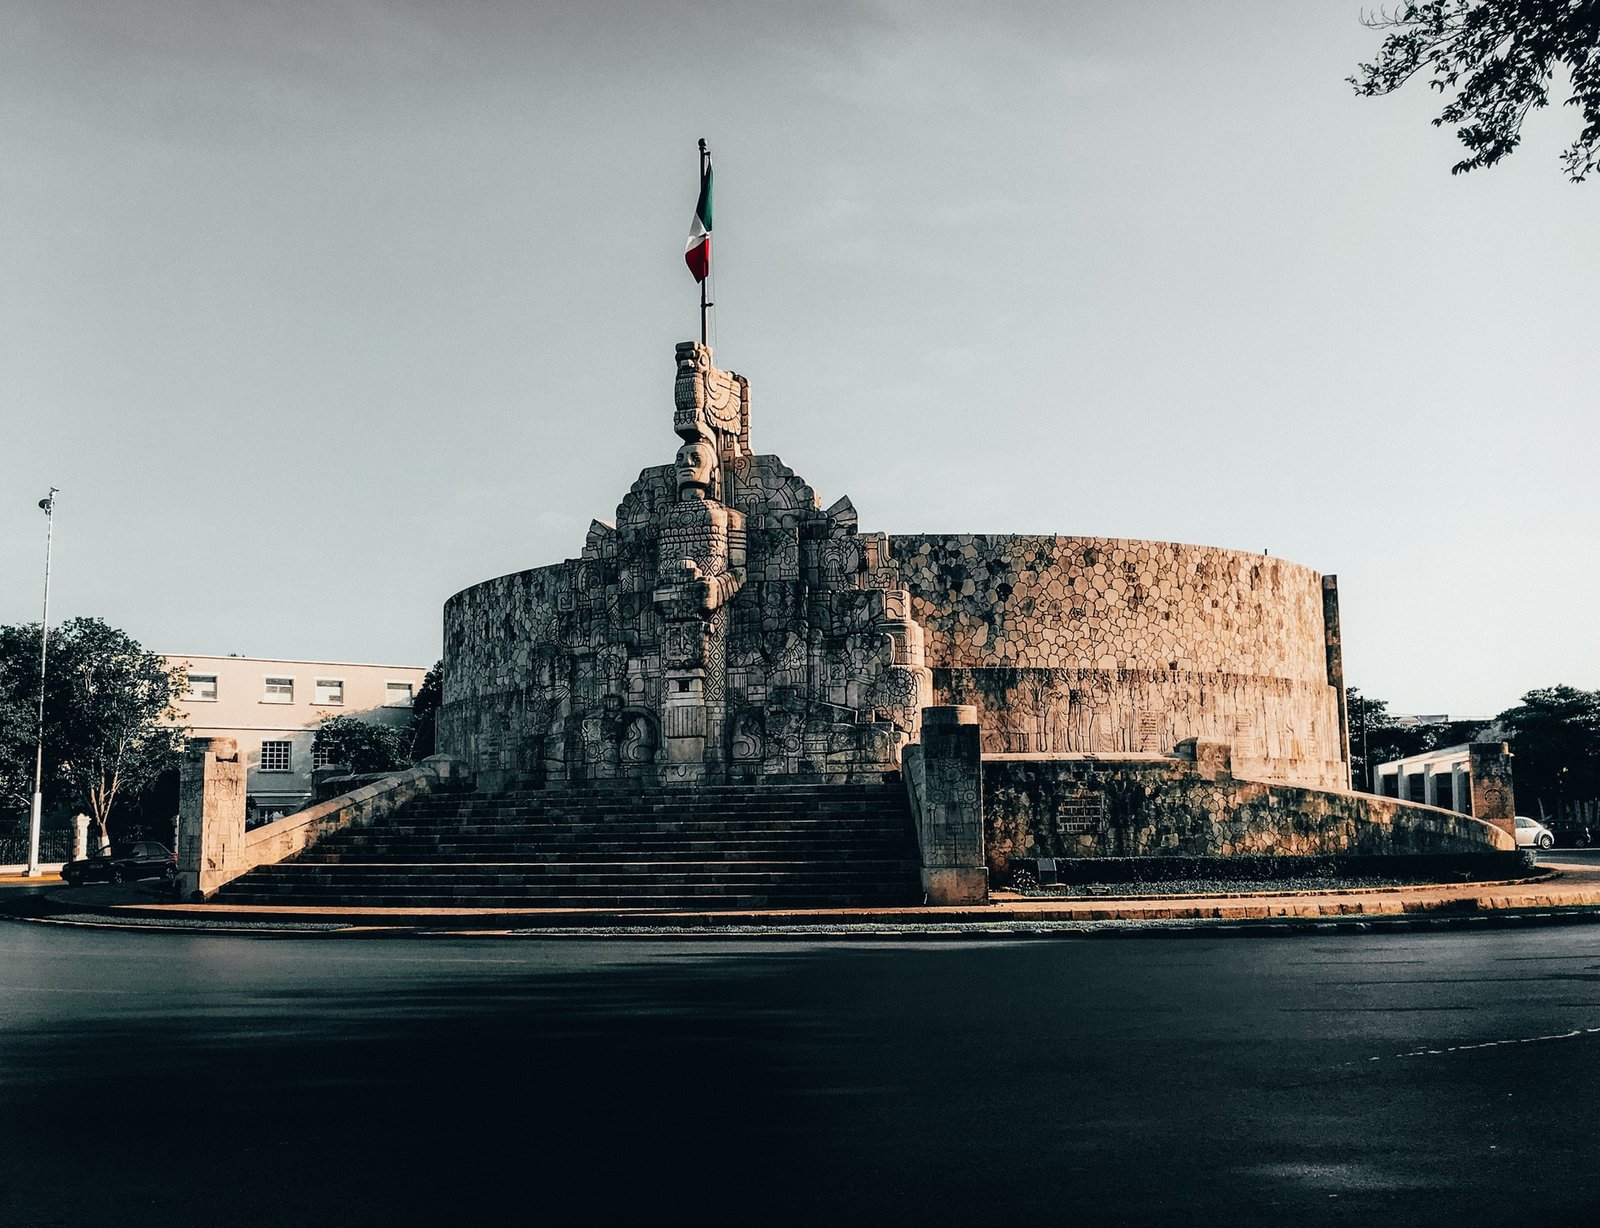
294,833
213,846
1153,806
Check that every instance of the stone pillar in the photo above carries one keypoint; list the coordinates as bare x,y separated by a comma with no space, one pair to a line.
211,802
1212,760
1492,798
950,826
1334,643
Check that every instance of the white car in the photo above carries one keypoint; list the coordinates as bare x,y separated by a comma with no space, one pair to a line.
1533,834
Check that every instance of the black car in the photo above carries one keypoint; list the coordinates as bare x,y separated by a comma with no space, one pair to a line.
122,864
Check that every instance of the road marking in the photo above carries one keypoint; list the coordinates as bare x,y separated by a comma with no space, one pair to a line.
1494,1044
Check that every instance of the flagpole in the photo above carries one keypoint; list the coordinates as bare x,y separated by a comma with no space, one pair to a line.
705,305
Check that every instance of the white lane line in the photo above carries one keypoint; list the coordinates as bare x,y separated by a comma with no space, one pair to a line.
1494,1044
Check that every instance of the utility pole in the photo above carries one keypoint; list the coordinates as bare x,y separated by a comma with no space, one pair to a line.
48,503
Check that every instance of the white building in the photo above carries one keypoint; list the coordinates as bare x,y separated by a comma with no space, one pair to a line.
272,709
1435,778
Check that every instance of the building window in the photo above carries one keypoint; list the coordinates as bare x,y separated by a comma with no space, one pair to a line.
202,687
321,756
330,691
279,691
398,696
277,756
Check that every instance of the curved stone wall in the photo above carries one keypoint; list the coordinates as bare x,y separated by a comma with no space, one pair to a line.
1080,645
1040,807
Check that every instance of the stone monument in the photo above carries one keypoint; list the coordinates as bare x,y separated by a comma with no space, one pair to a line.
725,627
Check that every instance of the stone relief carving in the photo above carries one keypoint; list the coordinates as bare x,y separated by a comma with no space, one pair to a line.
721,626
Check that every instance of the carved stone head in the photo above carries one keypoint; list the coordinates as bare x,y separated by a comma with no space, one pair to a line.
696,470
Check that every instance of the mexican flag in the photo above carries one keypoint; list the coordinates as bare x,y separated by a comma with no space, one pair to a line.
697,252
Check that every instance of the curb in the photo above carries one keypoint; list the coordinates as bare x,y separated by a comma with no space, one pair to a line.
928,930
1554,896
1237,916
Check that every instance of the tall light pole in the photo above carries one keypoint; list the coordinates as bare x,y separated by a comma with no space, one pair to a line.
48,503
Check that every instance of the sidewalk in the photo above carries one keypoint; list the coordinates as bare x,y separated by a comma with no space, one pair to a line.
1561,890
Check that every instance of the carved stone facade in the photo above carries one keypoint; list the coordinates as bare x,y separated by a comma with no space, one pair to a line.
1092,645
726,627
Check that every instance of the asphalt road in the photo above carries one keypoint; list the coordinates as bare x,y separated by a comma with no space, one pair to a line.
171,1079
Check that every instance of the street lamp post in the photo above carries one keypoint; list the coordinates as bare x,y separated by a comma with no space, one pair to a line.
48,503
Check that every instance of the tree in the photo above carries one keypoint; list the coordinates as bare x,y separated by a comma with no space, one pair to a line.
361,745
1499,58
109,715
1388,739
1555,736
423,729
19,718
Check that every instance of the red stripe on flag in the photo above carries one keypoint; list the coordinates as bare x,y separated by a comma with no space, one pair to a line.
698,258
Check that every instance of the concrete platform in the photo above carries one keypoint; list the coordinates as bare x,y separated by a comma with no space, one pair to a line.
1564,888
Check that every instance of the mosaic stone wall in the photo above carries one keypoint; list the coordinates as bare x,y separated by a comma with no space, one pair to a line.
1076,645
1035,807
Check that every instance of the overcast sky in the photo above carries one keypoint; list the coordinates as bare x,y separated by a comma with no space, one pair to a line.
319,312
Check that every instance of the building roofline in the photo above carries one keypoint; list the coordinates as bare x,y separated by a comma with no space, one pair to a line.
208,656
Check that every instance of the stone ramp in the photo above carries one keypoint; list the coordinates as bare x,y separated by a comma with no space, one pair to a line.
710,848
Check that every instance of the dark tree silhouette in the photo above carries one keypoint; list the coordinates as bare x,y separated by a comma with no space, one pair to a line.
1497,61
1555,735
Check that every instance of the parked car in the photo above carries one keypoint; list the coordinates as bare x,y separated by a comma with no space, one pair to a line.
1573,833
123,864
1533,834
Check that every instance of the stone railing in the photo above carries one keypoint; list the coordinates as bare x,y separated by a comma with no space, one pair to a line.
213,846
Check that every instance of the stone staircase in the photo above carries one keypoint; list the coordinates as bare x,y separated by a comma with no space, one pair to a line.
714,847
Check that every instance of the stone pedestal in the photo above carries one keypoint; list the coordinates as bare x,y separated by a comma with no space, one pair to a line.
211,805
1492,798
1213,760
950,819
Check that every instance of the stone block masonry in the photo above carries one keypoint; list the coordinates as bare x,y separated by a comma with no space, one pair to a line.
1151,806
944,777
1077,645
211,803
213,846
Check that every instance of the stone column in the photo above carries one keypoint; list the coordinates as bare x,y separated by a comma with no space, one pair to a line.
80,836
1335,648
950,827
211,803
1492,798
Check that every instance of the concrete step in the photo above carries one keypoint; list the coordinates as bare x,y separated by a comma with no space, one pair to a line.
658,902
400,851
536,875
722,847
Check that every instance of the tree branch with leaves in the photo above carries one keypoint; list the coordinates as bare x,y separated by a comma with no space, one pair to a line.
1497,60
